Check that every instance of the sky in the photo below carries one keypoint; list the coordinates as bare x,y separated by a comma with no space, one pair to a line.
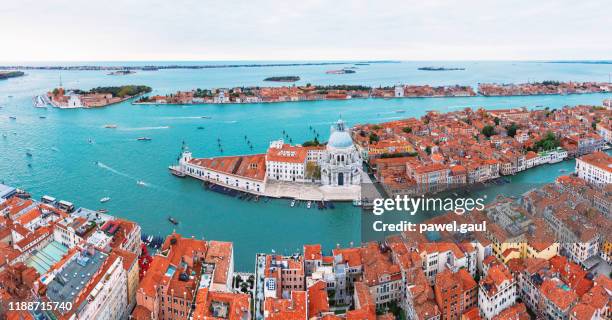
121,30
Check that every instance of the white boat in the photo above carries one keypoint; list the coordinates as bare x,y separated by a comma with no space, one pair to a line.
105,199
308,204
140,183
293,203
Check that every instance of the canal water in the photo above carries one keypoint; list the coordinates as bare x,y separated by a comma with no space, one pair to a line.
75,158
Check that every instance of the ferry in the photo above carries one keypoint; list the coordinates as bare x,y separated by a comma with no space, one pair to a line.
110,126
173,221
105,199
175,170
144,139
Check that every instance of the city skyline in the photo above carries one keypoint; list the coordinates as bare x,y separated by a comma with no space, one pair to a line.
314,30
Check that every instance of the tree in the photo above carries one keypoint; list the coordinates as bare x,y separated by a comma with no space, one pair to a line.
428,150
512,130
407,129
488,131
497,121
373,137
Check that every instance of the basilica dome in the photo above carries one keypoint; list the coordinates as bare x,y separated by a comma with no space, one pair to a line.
339,138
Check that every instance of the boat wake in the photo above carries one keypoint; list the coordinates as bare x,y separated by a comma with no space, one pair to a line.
115,171
186,118
137,181
145,128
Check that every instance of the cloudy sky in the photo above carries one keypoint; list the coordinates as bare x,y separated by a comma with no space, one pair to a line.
56,30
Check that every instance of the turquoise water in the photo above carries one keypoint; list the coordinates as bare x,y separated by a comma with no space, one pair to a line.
63,162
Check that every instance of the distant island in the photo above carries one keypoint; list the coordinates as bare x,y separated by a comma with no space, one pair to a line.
341,71
440,69
182,66
93,98
10,74
121,72
283,79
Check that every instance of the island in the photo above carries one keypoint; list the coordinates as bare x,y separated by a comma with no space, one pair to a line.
283,79
341,71
121,72
549,87
93,98
439,69
10,74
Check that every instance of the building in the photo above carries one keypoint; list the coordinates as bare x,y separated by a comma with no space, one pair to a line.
244,173
496,292
341,165
168,289
285,162
93,281
595,168
455,293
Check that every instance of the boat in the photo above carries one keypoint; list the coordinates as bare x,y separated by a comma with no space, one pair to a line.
102,210
562,170
141,183
293,203
205,117
308,204
110,126
28,153
42,117
400,111
200,128
105,199
13,117
40,102
144,139
172,220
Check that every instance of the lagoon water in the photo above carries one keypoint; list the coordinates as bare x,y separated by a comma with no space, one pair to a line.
66,165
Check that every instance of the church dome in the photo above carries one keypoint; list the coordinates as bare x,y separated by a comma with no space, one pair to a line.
339,137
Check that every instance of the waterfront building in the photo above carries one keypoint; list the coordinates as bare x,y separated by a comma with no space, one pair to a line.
341,165
244,173
595,168
496,292
285,162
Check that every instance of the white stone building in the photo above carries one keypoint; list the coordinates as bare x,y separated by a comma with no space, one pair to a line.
595,168
341,165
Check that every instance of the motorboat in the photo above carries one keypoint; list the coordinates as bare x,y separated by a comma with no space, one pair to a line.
110,126
173,221
308,204
105,199
144,139
293,203
141,183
